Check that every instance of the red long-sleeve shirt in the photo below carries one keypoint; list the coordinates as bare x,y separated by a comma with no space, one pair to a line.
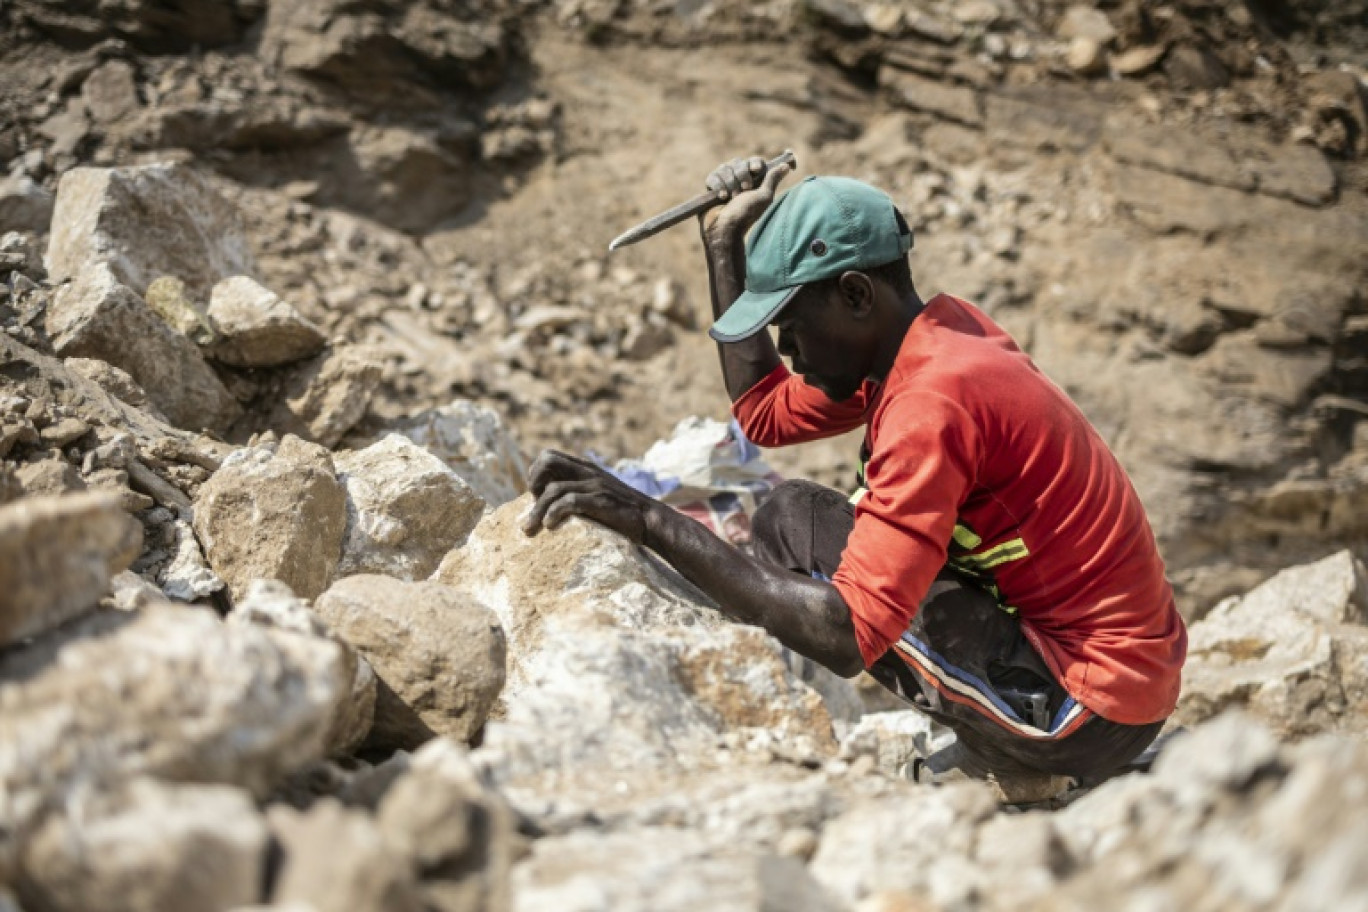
974,455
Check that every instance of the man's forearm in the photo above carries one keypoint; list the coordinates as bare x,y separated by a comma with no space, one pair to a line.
807,615
746,363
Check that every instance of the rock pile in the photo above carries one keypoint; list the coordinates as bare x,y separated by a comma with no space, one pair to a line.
429,188
270,635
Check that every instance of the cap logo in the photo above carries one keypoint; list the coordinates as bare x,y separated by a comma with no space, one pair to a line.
818,247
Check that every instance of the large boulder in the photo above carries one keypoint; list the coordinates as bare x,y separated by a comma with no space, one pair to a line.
57,555
167,691
145,222
1293,651
617,663
438,652
256,328
147,846
99,317
274,512
405,509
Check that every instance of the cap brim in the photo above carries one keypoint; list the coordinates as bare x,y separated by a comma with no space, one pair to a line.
751,313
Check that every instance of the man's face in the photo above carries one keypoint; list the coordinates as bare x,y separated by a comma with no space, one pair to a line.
823,344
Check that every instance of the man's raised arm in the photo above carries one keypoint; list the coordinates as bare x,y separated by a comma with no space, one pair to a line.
751,190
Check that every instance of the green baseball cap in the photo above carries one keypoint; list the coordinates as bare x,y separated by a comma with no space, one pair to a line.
818,230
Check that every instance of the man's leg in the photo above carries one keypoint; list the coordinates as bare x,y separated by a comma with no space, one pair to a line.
964,661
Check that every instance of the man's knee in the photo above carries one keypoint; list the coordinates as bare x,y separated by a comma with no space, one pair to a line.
789,503
791,527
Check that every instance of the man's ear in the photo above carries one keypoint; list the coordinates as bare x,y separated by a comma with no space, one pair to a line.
857,293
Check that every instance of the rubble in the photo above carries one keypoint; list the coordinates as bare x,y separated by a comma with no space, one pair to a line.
1293,651
167,692
270,603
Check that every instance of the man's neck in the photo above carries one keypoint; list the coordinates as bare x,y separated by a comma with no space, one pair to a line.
900,321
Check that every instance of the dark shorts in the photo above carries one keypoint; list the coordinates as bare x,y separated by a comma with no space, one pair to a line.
963,660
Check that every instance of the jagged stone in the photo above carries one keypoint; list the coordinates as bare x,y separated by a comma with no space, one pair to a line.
188,578
98,317
145,222
113,380
57,555
438,652
270,603
256,328
336,859
274,512
49,477
147,846
581,569
1287,651
19,253
63,432
893,739
457,830
169,692
473,440
405,510
327,396
25,205
110,93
